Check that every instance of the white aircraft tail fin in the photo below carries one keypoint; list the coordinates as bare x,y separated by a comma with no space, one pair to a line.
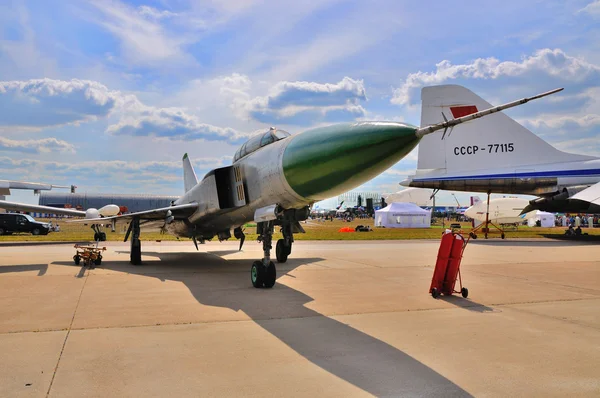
494,141
189,175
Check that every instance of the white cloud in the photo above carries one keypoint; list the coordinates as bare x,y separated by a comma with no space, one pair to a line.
47,102
43,103
173,123
584,146
307,103
144,40
543,64
550,121
44,145
299,103
153,13
592,8
20,53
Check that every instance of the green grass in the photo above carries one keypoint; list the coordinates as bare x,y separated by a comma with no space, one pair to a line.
315,230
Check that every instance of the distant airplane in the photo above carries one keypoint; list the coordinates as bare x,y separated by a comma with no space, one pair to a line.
7,185
502,211
273,181
499,155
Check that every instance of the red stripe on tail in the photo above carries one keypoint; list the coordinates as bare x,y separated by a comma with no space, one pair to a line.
460,111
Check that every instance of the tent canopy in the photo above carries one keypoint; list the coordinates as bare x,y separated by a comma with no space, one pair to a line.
402,215
546,219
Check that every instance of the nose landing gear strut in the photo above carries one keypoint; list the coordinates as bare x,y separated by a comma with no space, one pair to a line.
263,272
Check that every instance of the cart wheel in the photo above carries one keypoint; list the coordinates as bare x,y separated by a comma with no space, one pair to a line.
473,235
77,259
502,235
435,293
98,260
465,292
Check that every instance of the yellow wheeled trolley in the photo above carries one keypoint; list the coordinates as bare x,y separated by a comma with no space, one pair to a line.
90,255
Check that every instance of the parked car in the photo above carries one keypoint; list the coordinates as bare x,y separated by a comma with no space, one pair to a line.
13,222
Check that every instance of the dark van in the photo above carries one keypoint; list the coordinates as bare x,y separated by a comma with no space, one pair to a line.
12,222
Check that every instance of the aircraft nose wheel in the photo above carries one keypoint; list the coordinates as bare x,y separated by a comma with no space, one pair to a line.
257,274
262,276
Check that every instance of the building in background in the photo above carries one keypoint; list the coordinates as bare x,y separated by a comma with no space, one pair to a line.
129,203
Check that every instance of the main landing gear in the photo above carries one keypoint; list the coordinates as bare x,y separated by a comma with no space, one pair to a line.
99,235
263,272
135,256
284,246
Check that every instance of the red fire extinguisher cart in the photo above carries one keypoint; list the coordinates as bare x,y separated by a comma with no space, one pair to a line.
447,266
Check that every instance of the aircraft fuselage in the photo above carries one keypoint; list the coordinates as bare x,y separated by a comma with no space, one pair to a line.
293,173
539,180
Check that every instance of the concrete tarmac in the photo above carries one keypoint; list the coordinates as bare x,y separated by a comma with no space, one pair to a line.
344,319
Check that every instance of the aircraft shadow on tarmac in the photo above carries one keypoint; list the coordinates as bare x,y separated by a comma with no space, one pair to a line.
41,268
356,357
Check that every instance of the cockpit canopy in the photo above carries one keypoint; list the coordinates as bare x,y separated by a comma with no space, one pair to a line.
259,141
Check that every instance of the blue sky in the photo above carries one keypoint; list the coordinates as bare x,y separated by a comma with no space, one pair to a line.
108,95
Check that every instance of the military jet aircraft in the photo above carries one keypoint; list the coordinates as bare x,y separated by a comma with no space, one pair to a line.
274,179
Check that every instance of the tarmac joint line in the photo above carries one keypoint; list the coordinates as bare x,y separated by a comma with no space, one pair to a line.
68,333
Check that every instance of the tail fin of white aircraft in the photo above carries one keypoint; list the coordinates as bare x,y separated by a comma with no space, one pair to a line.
189,175
494,141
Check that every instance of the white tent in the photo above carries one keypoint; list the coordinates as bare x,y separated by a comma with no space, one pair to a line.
546,219
402,215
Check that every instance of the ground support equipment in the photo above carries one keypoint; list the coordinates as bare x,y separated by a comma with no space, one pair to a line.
90,255
447,266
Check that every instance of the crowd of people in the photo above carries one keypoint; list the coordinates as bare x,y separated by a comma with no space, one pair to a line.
585,221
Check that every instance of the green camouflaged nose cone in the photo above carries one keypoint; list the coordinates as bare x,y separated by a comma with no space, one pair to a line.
328,161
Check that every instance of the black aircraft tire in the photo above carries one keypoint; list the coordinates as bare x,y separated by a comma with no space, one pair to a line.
270,275
257,274
136,255
282,251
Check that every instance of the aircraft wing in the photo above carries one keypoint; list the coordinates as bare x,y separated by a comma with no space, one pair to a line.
177,211
40,209
591,194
